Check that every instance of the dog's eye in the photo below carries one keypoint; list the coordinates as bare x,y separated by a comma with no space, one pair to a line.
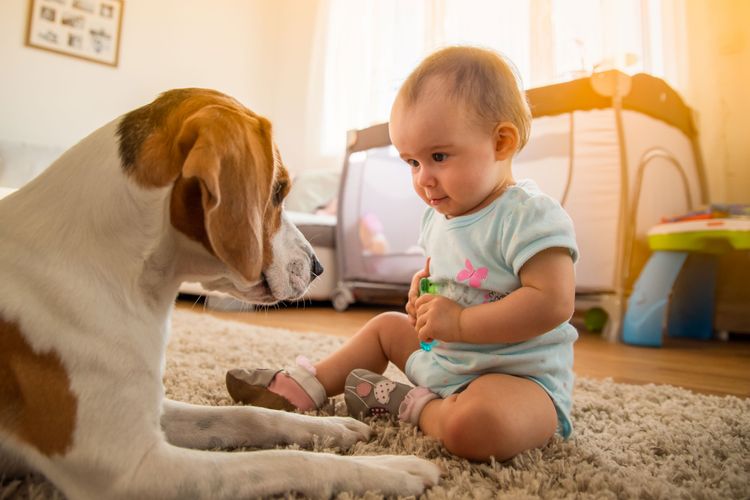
280,191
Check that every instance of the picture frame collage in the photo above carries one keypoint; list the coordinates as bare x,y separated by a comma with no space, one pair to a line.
86,29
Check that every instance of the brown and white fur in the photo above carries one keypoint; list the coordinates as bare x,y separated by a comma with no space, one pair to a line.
92,252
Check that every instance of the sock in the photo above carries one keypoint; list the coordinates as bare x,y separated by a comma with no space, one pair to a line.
411,407
286,387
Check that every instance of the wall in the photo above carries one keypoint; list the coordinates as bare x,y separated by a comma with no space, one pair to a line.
53,99
294,107
719,73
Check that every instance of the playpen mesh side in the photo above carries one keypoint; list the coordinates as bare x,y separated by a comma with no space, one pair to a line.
379,219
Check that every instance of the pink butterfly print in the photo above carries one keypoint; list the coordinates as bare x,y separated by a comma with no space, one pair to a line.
475,277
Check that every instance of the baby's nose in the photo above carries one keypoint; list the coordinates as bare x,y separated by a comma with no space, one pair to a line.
425,178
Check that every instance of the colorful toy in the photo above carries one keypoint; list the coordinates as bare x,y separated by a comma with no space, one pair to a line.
372,235
427,286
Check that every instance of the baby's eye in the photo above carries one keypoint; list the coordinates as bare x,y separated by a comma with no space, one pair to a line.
413,163
438,157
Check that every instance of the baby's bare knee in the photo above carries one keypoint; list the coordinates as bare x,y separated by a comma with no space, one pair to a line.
396,336
477,433
384,323
392,317
463,434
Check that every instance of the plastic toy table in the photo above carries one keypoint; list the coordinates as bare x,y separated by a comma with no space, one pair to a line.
691,308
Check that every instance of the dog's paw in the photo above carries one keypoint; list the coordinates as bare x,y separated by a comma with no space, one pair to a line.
395,475
342,432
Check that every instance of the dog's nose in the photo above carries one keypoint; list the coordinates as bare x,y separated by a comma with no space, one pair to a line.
316,268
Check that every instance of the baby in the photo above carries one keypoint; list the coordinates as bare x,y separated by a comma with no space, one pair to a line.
498,379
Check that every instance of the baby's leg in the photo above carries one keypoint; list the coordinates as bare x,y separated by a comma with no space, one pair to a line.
386,337
497,415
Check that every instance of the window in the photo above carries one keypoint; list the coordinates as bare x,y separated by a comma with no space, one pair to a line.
370,46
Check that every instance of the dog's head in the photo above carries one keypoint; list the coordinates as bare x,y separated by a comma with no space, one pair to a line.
228,185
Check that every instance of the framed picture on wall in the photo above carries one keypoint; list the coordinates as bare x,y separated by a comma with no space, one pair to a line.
87,29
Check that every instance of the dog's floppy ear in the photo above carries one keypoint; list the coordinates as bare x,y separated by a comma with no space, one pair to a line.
223,149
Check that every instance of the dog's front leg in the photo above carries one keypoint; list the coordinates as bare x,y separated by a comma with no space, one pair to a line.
167,472
205,427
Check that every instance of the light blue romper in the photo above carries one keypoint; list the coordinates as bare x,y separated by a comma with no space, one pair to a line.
476,259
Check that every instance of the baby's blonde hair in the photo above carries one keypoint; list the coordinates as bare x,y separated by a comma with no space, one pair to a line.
480,78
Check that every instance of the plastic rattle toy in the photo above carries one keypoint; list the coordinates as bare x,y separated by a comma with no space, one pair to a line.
427,286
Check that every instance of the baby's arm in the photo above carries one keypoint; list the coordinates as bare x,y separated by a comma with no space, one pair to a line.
545,299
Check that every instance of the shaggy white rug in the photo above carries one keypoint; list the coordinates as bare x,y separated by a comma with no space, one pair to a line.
629,442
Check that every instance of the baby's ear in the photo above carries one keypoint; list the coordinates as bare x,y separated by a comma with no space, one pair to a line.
506,140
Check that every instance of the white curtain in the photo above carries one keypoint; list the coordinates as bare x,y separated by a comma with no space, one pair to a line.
365,48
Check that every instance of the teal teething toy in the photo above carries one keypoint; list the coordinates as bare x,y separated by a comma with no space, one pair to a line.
427,286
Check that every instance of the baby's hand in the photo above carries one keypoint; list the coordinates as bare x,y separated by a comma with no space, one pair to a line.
411,310
438,318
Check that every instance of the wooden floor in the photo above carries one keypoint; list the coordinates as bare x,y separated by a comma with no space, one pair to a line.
711,367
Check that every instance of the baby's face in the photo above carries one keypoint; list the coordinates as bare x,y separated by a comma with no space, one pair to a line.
453,161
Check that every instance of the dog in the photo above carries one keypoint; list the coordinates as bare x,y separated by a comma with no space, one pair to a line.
187,188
